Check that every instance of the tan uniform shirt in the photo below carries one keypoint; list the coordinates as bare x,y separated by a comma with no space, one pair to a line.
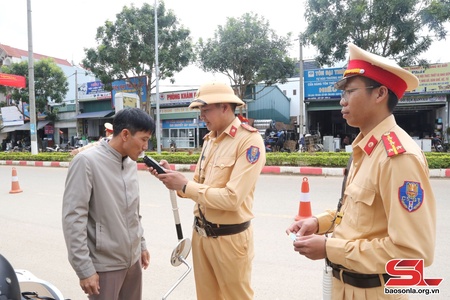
226,174
389,207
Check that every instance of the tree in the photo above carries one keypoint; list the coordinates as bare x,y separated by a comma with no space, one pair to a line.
50,85
247,51
398,29
126,48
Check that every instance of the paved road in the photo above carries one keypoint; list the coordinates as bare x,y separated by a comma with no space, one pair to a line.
31,237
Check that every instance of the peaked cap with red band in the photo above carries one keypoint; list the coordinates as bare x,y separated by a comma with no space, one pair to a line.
109,127
382,70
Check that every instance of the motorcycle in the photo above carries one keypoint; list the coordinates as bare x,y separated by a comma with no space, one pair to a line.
55,148
438,145
23,285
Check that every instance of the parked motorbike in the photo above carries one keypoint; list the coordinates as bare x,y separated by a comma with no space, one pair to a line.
438,145
55,148
22,284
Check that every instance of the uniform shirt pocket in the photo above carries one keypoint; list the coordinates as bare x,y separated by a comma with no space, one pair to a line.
223,166
359,209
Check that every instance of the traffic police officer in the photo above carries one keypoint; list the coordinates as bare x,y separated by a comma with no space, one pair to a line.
222,188
387,210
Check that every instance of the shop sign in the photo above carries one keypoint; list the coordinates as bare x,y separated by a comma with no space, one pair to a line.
92,90
48,129
423,99
178,98
11,116
434,79
182,123
319,83
173,110
129,86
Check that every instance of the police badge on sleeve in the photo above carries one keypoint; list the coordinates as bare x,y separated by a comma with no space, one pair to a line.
253,154
411,195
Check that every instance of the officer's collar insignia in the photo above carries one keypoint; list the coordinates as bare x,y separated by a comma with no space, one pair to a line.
410,195
392,144
233,131
368,148
253,154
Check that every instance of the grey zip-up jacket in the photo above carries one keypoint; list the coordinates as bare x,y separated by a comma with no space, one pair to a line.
100,214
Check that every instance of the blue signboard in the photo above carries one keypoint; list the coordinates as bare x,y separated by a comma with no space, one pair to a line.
319,83
182,123
93,89
121,86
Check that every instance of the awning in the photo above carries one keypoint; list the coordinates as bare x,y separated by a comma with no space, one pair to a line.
10,128
96,114
25,126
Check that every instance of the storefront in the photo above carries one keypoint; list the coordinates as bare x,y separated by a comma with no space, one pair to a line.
179,123
422,112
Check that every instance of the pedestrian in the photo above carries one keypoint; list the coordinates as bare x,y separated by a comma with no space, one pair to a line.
387,209
222,188
100,215
346,141
109,131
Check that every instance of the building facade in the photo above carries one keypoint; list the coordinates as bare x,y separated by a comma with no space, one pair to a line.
65,127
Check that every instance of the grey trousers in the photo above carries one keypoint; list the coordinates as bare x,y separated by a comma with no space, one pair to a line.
123,284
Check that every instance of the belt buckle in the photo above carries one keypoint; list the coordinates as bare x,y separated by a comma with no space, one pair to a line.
201,231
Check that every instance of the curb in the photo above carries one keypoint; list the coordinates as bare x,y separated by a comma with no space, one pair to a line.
434,173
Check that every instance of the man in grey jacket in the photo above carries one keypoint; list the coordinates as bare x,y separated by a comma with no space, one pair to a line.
100,215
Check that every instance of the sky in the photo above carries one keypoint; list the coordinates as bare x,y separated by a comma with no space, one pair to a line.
63,28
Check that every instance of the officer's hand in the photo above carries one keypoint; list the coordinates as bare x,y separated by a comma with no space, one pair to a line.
165,164
304,227
311,246
173,180
91,285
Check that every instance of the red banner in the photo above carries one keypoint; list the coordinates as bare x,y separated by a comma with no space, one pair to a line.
12,80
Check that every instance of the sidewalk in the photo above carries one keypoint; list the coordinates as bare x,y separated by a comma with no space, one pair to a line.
434,173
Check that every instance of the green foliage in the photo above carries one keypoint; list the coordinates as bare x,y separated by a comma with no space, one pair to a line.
247,51
317,159
50,84
391,28
126,48
42,156
438,160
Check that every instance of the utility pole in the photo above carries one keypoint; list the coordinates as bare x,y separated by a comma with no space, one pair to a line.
158,118
77,104
301,118
33,127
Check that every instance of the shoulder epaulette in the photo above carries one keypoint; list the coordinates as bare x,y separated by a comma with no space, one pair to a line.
392,144
248,127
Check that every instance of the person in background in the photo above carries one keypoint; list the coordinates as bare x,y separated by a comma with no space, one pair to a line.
223,188
100,212
109,130
387,209
346,141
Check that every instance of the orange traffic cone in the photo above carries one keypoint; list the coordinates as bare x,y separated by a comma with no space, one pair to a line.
304,209
15,187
